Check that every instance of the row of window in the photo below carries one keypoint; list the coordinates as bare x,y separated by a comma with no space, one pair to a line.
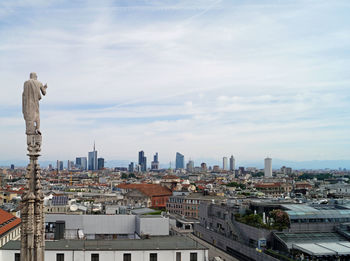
321,220
126,257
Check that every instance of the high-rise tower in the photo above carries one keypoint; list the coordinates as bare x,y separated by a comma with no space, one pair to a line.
180,161
232,163
142,161
224,163
268,168
92,159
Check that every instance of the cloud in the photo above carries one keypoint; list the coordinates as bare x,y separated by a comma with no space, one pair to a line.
207,78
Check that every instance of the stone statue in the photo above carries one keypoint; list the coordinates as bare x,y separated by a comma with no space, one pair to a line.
32,214
30,104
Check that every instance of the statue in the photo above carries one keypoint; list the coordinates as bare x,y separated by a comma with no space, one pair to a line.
32,214
30,104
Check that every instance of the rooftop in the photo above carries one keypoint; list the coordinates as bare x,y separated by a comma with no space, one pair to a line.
7,221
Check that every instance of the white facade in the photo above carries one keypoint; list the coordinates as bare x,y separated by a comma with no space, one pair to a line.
80,255
268,168
13,234
224,163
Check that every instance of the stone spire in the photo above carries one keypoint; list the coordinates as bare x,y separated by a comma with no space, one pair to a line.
32,212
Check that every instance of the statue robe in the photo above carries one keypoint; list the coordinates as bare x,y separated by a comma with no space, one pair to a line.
30,103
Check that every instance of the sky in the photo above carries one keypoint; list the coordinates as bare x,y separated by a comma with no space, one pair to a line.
207,78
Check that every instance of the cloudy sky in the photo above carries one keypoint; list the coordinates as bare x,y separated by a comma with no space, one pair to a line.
206,78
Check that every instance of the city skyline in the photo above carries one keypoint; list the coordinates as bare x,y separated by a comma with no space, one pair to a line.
237,77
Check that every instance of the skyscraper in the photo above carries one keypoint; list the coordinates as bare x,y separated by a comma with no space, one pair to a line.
232,163
81,163
70,165
93,159
224,163
190,166
268,168
59,165
100,163
155,162
142,161
180,161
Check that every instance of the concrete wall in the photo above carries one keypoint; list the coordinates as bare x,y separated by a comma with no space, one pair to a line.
243,252
163,255
152,225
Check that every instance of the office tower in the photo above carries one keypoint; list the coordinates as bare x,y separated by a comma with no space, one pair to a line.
131,167
100,163
70,165
224,163
232,163
59,165
190,166
81,163
268,168
155,162
142,161
204,166
93,159
180,161
12,166
78,163
50,167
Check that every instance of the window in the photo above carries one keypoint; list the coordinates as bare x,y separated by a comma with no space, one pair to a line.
17,257
193,256
127,257
95,257
59,257
178,256
153,257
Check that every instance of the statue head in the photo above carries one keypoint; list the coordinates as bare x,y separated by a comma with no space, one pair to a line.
33,76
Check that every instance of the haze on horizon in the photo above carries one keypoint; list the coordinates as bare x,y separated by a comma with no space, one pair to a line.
205,78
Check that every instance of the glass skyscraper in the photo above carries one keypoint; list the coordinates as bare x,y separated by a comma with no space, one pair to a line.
180,161
93,159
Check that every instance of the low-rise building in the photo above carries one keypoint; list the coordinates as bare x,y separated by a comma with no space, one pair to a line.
187,205
9,228
151,249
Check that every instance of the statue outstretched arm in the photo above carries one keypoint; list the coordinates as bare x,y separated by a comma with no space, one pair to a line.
43,88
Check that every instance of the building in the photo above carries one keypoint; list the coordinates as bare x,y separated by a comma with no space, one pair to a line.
9,228
142,161
204,166
188,205
81,163
145,195
180,161
150,249
104,227
224,163
100,163
268,168
216,168
155,162
274,189
190,166
93,159
59,165
131,167
70,165
218,226
232,163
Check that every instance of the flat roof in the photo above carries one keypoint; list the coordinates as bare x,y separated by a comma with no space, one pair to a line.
290,239
153,243
314,249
